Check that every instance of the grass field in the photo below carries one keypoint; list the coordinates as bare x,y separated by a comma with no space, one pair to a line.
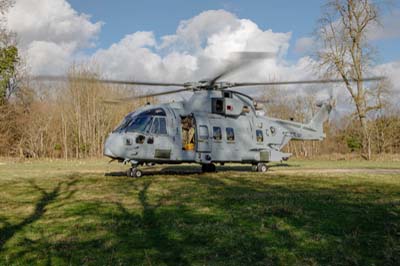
302,213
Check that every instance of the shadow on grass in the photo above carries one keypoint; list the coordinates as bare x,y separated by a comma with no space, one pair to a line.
9,230
194,169
207,220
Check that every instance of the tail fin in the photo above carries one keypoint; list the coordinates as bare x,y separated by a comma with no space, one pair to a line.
318,120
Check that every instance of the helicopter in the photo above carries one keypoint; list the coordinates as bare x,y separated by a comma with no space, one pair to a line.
216,125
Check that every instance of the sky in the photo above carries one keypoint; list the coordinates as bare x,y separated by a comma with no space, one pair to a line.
179,41
162,17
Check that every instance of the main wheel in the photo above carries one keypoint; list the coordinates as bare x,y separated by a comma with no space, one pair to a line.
208,168
262,167
137,173
129,172
134,172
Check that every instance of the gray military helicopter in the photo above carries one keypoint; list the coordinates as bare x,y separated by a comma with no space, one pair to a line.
216,125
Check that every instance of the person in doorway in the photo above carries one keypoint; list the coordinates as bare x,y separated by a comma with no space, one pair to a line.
188,133
191,132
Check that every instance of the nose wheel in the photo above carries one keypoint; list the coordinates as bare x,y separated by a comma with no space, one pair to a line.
260,167
134,172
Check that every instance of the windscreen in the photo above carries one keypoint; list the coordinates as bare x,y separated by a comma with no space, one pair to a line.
140,123
143,121
125,122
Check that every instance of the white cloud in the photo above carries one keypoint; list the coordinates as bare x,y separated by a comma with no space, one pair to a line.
192,33
304,45
131,58
392,71
48,57
50,32
197,50
388,28
52,35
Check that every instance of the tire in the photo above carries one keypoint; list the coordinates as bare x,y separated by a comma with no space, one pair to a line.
137,173
208,168
213,168
262,168
133,172
129,172
254,168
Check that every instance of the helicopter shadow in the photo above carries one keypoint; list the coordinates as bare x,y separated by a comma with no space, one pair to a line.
162,171
190,170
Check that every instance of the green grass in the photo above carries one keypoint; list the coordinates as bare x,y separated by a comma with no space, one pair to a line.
88,213
344,164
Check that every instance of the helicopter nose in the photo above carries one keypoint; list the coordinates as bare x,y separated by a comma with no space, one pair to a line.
108,153
113,146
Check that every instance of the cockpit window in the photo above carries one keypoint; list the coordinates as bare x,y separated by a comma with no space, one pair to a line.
124,122
159,126
141,122
157,112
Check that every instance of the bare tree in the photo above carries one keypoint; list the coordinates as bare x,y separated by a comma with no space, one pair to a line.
346,53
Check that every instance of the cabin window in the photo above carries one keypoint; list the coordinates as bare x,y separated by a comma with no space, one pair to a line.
218,105
203,132
230,134
227,94
159,126
259,135
217,133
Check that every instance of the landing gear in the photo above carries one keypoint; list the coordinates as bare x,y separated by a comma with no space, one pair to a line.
134,172
260,167
208,168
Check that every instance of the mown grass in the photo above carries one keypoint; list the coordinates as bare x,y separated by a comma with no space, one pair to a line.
88,213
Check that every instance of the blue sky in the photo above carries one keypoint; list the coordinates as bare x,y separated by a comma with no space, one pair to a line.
122,17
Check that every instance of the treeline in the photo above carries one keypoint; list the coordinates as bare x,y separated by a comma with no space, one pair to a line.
64,119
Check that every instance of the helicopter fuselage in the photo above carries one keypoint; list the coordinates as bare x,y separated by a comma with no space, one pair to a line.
211,127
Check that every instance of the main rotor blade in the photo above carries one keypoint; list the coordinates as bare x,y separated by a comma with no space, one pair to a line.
241,60
138,97
108,81
319,81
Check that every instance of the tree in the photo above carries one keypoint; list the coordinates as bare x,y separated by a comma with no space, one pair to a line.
8,65
346,53
8,56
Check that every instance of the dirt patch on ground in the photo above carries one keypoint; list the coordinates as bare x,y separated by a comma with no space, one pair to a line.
333,171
